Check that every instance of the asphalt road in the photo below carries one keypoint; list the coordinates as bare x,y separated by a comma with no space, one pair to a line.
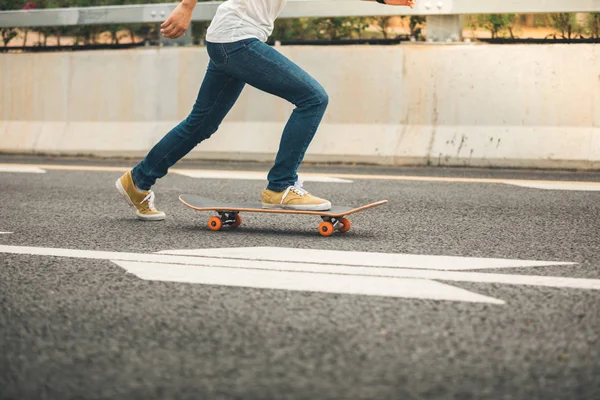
86,328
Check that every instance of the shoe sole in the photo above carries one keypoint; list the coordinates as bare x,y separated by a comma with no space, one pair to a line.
301,207
121,190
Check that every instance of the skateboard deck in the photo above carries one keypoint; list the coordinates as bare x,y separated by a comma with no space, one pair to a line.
333,219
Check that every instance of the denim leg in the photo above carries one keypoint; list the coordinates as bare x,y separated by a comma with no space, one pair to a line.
263,67
217,95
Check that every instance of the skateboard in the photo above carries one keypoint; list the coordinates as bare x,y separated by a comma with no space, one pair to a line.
333,219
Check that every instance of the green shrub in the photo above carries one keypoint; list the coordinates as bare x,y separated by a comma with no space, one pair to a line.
496,23
594,25
566,25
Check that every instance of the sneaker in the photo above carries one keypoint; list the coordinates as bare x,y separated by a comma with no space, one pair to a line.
294,198
141,201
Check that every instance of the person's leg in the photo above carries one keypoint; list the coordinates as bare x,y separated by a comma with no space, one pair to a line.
217,95
263,67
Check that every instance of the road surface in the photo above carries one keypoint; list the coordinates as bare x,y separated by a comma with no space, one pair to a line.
469,284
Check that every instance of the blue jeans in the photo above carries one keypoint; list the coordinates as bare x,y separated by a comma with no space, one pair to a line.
231,66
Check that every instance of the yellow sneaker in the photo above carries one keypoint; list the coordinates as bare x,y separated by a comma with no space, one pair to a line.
294,198
141,201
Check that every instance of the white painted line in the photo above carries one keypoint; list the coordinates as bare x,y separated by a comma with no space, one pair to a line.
21,169
245,256
315,267
5,233
506,279
389,260
455,276
251,175
332,177
299,281
58,167
571,186
113,255
312,275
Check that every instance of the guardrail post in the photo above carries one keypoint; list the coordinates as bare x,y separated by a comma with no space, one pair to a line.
444,28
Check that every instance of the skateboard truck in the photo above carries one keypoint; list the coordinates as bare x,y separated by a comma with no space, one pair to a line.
225,218
331,224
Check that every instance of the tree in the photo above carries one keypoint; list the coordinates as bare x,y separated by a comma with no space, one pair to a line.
9,34
594,25
360,24
294,28
383,24
11,5
497,23
566,24
340,27
416,25
562,22
319,28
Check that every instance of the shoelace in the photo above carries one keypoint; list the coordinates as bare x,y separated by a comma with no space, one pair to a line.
296,188
150,200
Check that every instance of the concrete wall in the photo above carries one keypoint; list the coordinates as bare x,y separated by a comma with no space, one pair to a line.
518,105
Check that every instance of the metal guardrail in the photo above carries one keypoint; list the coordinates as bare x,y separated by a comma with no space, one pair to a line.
295,8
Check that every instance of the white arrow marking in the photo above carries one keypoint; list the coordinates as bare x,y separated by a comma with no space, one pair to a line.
197,257
362,258
23,169
302,281
250,175
314,267
572,186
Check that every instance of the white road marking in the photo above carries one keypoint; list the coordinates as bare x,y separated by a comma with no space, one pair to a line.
308,282
249,256
332,177
390,260
5,233
21,169
251,175
573,186
477,277
110,255
192,266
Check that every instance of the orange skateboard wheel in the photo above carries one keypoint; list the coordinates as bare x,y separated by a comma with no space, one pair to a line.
326,228
215,224
238,221
346,223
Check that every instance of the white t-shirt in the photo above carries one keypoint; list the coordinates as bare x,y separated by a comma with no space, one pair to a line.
242,19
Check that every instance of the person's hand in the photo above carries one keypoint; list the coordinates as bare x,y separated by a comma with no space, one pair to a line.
408,3
178,22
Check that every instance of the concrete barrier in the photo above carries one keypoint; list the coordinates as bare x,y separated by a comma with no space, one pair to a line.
476,105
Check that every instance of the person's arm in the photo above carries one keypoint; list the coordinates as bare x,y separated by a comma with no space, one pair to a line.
408,3
179,20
